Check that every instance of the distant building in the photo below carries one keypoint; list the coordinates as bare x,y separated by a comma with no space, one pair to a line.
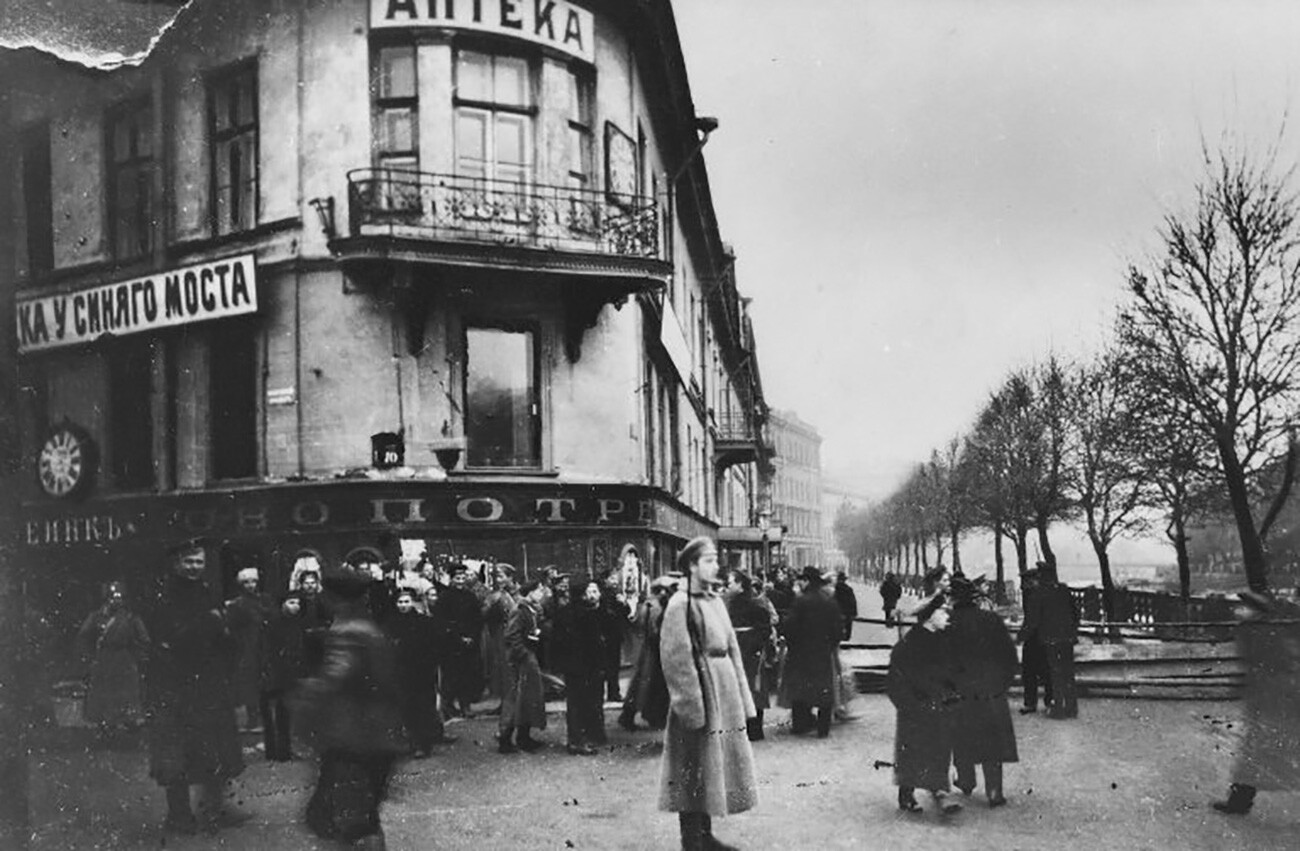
797,488
835,497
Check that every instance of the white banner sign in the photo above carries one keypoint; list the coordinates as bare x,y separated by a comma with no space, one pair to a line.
226,287
553,23
674,343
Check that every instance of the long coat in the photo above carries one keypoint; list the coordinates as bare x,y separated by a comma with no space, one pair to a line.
117,643
985,658
460,614
708,764
1269,754
351,703
752,617
812,632
247,616
922,685
648,691
192,735
496,614
579,642
523,704
283,660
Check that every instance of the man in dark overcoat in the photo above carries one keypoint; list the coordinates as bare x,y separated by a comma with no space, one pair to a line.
848,603
753,619
890,591
1054,618
616,616
812,633
922,685
580,645
1033,655
460,616
247,615
418,645
985,659
192,736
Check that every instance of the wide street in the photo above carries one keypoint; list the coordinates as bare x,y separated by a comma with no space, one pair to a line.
1127,774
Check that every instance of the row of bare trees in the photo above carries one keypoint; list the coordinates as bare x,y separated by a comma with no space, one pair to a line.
1187,414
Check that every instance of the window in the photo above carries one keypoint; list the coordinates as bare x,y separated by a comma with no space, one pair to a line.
396,109
581,120
232,116
232,403
502,410
130,180
37,204
494,117
130,369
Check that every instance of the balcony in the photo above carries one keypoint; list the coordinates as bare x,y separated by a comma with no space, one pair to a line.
474,221
738,439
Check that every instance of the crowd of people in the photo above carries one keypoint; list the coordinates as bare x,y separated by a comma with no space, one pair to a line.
365,665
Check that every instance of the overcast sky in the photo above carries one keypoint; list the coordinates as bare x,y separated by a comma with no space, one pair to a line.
926,194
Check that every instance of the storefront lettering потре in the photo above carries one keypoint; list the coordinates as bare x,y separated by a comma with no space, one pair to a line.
239,516
226,287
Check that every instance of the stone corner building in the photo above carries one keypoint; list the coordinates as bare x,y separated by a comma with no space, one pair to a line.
321,277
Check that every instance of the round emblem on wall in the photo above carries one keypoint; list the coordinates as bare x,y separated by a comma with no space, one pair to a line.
66,463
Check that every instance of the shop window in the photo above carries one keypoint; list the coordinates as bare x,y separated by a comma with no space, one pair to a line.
502,409
233,136
130,427
131,164
494,117
37,202
233,389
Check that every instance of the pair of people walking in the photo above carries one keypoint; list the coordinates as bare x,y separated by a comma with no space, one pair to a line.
948,680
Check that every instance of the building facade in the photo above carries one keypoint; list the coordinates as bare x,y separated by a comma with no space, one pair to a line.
328,278
797,488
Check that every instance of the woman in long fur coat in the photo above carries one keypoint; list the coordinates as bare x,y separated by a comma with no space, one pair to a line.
708,765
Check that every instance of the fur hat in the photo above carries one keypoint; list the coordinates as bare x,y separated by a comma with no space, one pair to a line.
247,573
813,575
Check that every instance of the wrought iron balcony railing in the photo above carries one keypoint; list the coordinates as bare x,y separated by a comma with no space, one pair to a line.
734,427
448,207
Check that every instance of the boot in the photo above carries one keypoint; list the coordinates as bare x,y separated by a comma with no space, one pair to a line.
527,743
692,828
180,818
1241,797
504,743
710,842
823,721
907,800
627,718
754,728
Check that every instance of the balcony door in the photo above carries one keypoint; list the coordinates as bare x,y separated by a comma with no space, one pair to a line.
502,403
494,123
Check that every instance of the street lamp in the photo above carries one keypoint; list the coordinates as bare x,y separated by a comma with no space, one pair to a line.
765,524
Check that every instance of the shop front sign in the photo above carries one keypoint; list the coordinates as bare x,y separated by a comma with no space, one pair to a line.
410,508
213,290
551,23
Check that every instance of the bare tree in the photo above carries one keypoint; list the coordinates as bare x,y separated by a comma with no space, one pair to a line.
1109,484
1049,441
1215,314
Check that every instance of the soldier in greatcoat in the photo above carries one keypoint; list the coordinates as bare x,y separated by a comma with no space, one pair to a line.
523,705
192,736
812,633
708,762
985,658
922,685
1052,615
501,603
648,693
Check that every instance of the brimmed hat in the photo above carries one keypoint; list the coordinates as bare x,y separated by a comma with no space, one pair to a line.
966,591
812,574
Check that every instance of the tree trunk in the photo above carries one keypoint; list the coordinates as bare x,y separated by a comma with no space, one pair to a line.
1252,548
1022,548
955,533
938,546
1048,556
922,557
1099,546
1177,533
999,567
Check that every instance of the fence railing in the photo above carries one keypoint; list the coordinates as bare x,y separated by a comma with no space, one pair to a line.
530,215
